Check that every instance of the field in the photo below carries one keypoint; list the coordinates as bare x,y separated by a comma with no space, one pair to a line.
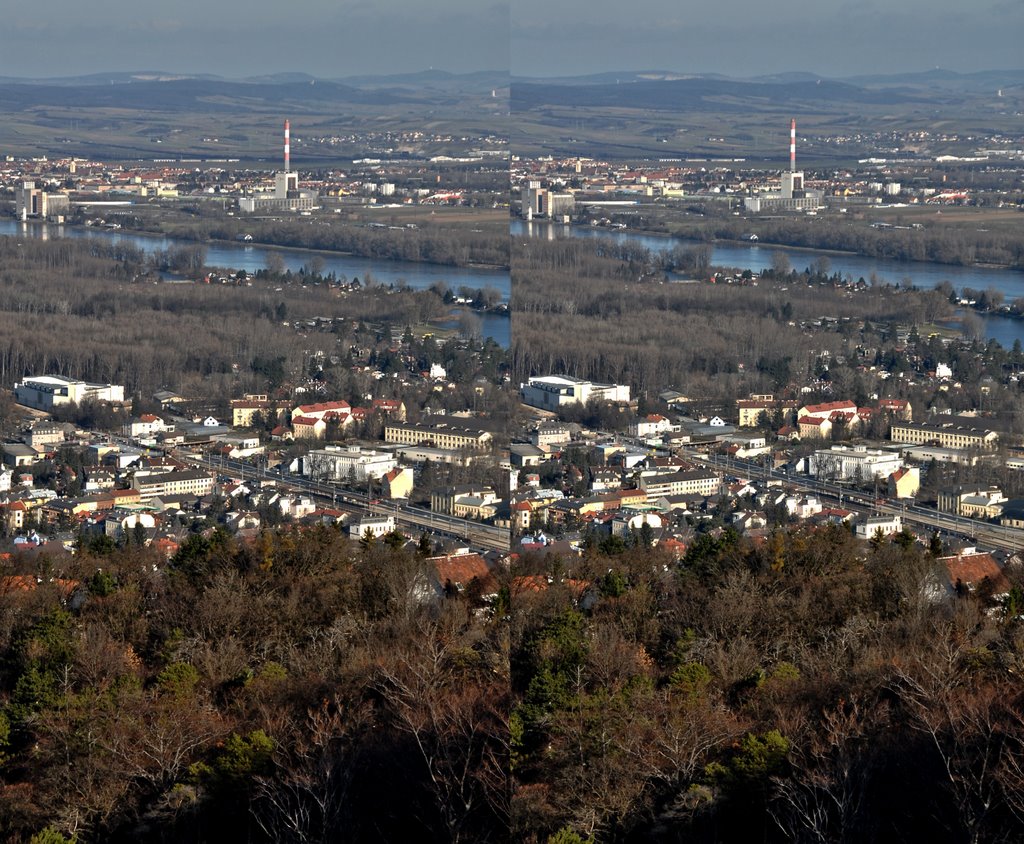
202,119
698,118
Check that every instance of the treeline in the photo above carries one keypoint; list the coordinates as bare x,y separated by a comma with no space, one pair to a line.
583,309
291,689
71,308
943,245
433,244
804,688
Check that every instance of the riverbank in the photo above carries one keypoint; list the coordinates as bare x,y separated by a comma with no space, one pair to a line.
759,256
252,257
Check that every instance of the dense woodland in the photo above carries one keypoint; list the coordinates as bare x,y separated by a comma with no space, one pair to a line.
200,339
295,688
602,310
803,688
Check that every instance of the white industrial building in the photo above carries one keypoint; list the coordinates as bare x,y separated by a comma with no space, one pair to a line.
339,463
45,392
31,201
793,195
542,202
287,196
858,462
550,392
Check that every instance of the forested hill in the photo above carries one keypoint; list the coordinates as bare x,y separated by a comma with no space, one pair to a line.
680,94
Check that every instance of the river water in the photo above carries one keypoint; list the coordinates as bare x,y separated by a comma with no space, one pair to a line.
241,256
756,257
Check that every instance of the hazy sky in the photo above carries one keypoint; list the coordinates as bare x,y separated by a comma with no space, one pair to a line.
540,37
325,38
750,37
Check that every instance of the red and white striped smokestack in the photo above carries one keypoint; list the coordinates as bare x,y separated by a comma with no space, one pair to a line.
792,145
287,148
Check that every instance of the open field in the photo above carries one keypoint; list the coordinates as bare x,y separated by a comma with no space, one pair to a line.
698,118
220,120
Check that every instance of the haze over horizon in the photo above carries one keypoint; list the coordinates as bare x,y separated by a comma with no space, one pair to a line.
325,38
531,38
834,38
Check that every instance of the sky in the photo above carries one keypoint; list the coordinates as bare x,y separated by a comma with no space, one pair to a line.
832,38
236,38
331,38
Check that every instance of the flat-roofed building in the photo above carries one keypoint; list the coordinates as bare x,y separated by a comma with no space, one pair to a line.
45,392
691,482
195,483
550,392
846,463
944,434
337,463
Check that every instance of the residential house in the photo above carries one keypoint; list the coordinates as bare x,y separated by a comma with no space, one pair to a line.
453,574
872,526
340,410
375,526
308,427
649,426
968,571
398,483
43,434
905,482
751,411
899,409
145,425
549,434
814,428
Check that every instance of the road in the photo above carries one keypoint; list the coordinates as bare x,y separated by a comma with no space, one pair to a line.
994,536
478,536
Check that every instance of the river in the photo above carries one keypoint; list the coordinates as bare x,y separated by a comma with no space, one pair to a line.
758,257
242,256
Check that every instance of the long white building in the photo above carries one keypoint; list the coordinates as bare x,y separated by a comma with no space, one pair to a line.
45,392
846,463
550,392
337,463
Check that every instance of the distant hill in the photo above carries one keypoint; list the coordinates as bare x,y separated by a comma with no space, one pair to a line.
704,93
193,94
437,80
934,79
111,78
947,80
